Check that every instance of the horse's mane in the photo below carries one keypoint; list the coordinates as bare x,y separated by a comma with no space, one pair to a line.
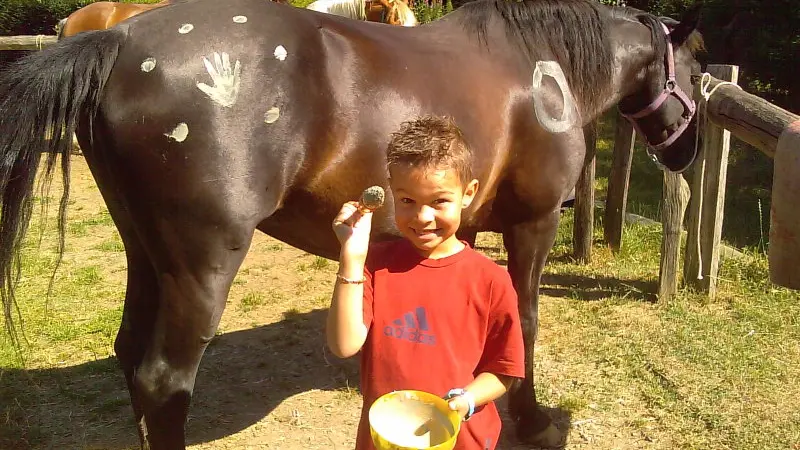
574,32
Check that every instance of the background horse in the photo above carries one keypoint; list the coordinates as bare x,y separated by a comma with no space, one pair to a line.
393,12
196,142
102,15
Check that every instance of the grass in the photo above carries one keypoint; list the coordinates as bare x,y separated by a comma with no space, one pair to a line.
692,372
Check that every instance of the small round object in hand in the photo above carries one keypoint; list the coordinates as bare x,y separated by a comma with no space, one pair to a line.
371,199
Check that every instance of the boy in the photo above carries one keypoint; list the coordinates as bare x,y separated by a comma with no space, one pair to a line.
427,312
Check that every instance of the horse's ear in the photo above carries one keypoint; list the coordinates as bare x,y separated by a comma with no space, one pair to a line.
687,25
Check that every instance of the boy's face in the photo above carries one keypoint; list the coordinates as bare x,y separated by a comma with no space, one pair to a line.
428,204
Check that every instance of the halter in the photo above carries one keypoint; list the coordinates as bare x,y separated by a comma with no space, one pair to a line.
670,88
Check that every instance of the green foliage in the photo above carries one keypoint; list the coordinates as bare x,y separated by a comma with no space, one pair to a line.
21,17
430,11
763,38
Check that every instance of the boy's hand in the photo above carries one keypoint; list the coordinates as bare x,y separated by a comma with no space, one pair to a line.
460,405
352,228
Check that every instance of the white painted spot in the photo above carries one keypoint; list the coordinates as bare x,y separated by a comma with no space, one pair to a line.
185,28
240,19
272,115
180,133
569,113
225,79
280,52
148,64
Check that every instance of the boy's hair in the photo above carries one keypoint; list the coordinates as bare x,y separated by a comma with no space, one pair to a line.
431,142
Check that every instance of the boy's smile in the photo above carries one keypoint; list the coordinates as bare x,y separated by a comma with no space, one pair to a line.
428,204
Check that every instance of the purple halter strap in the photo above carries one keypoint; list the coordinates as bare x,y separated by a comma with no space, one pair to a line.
670,88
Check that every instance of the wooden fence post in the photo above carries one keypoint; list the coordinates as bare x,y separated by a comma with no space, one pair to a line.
675,199
583,227
618,179
784,239
708,197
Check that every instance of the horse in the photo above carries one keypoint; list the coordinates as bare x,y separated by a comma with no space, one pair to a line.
392,12
102,15
206,121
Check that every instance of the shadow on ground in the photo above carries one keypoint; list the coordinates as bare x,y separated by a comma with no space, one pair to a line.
597,288
243,376
588,288
561,418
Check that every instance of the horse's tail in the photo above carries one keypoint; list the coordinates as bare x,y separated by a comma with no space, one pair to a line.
43,96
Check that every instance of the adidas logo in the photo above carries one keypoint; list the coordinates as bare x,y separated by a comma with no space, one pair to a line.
411,327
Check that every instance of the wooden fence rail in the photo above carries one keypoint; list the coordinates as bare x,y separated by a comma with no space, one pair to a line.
750,118
36,42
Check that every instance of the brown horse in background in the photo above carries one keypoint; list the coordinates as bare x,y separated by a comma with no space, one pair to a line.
102,15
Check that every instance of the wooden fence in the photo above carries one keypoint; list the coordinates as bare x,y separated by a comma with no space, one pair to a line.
729,109
37,42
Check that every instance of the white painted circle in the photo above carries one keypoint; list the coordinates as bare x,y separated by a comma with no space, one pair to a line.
180,133
280,52
185,28
272,115
148,64
240,19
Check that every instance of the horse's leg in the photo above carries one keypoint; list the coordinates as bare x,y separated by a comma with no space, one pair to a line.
528,245
141,291
470,236
138,318
195,267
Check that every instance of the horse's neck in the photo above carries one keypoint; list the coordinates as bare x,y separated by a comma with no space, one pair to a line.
633,54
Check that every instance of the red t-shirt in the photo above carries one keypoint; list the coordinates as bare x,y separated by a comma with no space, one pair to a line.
433,325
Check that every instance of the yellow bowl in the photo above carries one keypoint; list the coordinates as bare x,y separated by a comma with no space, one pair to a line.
413,420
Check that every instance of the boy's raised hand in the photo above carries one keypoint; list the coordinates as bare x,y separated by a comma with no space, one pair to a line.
352,228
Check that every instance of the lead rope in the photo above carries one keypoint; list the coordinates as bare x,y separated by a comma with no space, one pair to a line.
705,82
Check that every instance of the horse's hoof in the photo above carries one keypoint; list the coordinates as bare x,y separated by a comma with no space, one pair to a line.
550,437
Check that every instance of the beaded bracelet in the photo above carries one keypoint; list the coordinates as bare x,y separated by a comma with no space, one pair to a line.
348,280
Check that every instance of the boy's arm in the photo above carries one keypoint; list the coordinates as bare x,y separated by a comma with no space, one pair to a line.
486,387
503,357
345,330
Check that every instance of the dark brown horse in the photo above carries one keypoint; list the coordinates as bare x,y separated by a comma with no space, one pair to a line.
205,121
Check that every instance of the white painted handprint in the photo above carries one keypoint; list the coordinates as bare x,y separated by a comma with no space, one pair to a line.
225,80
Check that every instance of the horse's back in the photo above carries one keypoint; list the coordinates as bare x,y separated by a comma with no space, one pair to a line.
261,97
197,95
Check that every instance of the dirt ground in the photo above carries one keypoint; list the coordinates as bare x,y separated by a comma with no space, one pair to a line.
266,380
